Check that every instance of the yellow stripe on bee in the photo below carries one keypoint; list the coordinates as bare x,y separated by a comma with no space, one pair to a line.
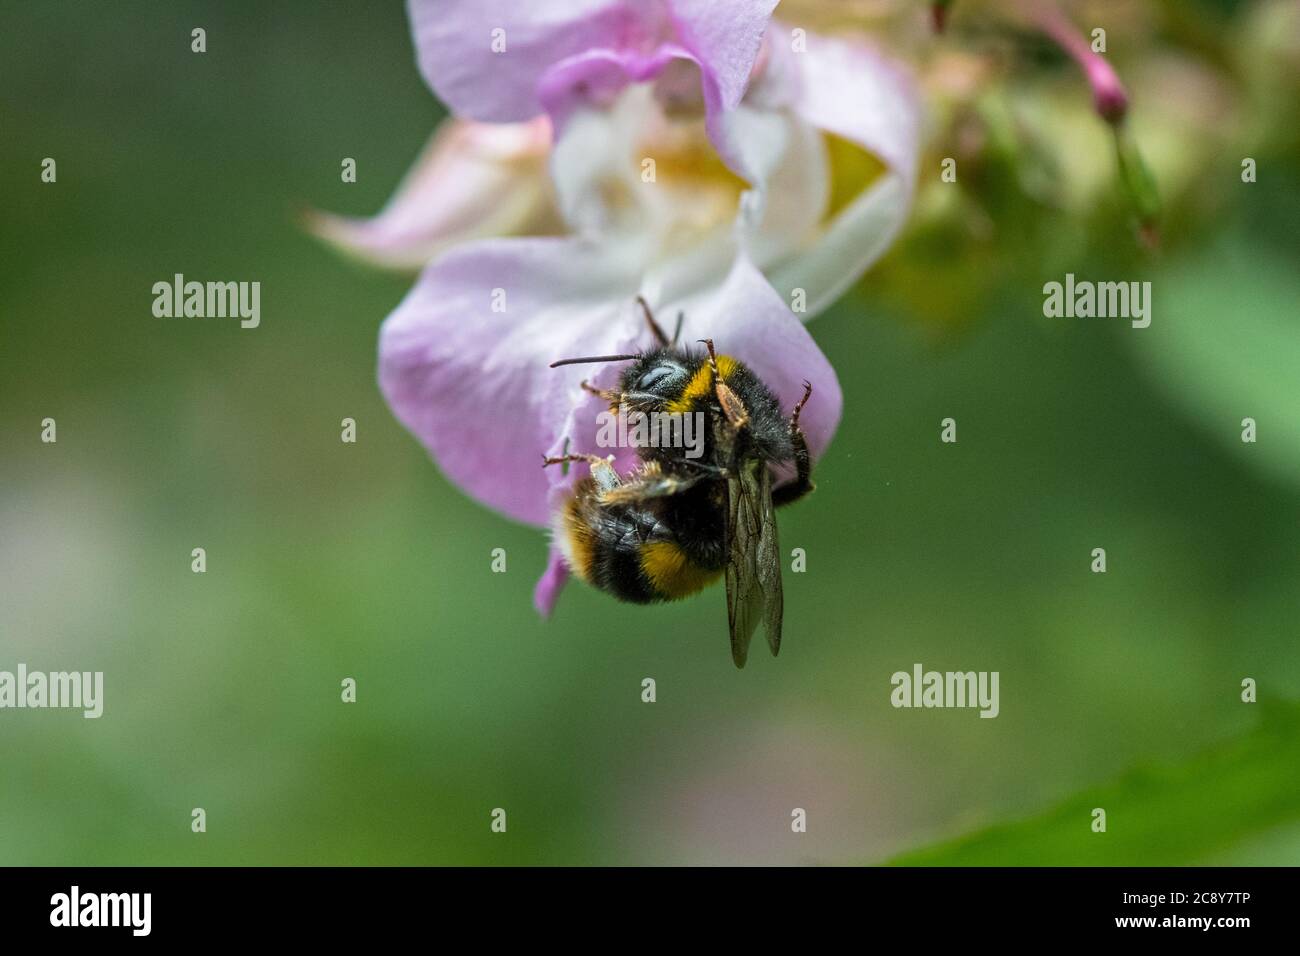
581,547
700,386
671,571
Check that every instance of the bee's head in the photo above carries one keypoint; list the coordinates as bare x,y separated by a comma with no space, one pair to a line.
655,377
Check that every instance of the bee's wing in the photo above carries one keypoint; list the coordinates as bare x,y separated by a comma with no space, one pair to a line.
744,599
753,561
769,563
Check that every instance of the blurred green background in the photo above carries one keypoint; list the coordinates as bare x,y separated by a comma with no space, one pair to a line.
328,560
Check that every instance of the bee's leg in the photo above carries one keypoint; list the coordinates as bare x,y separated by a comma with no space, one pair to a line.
713,356
716,471
732,406
802,483
655,330
614,398
794,416
602,472
652,483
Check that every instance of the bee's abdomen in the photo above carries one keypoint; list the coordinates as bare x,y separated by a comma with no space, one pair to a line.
672,572
628,553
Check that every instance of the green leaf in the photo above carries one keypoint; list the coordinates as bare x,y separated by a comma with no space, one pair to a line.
1159,815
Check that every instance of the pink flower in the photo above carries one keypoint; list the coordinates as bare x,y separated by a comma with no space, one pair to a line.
473,180
716,162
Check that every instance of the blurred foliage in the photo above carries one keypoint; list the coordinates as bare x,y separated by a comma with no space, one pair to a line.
1220,359
1242,788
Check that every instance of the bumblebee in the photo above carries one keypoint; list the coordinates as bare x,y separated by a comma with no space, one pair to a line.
676,524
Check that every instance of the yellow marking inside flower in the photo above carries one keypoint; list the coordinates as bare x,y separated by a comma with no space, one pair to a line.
671,571
852,169
697,189
700,387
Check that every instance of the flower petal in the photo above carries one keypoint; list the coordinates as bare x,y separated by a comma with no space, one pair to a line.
555,56
454,42
725,39
852,91
794,186
597,77
689,212
849,91
472,180
594,167
847,246
463,360
551,583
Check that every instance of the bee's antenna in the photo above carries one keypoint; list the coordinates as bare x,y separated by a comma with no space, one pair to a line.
594,358
650,321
